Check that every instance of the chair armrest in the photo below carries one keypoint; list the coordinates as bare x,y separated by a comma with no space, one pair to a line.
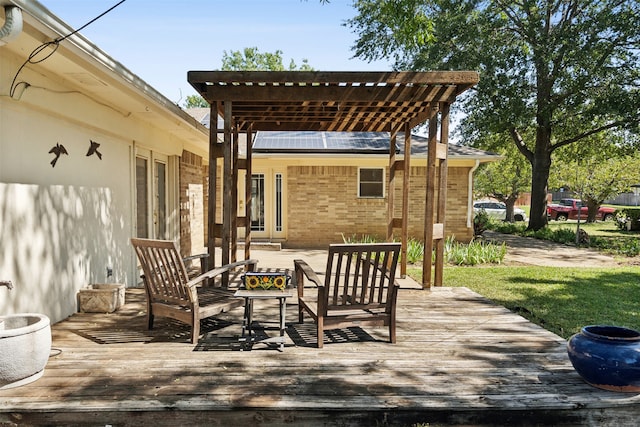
300,265
204,261
223,269
302,270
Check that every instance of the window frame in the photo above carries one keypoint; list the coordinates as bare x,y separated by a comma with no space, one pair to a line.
382,182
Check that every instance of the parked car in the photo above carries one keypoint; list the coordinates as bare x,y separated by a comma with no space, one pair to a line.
498,210
569,208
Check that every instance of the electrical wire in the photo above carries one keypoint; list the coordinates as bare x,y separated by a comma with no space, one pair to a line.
55,43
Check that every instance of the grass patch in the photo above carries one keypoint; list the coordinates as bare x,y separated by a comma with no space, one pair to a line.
561,300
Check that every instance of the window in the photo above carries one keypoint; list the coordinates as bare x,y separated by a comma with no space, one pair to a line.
371,182
142,205
257,202
278,202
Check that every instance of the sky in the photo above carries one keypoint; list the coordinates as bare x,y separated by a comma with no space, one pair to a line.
161,40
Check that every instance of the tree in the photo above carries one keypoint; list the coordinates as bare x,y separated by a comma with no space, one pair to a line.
557,70
595,173
250,59
195,101
505,179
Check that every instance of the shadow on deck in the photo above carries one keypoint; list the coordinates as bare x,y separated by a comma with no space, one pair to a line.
459,360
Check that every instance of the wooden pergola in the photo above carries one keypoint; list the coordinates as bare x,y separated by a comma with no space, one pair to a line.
251,101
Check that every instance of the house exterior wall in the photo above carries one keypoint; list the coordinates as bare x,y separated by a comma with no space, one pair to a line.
62,226
323,205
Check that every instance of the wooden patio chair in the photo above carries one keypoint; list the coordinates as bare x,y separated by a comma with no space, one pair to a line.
359,288
170,292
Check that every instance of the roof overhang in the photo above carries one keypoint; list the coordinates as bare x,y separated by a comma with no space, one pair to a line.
330,101
81,65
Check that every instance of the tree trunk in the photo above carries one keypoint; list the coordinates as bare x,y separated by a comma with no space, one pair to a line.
540,176
509,202
592,211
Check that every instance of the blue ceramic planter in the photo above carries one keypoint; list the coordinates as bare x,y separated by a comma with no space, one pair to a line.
607,357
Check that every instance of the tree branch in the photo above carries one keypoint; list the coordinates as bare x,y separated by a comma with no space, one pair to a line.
517,139
587,134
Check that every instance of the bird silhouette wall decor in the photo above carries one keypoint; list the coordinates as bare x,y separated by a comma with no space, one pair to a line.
93,149
58,150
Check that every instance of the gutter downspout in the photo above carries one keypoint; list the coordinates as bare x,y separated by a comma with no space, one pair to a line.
470,195
12,24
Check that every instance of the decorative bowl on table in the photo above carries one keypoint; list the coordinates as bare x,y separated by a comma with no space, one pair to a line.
254,280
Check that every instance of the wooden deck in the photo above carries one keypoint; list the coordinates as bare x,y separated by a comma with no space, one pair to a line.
459,360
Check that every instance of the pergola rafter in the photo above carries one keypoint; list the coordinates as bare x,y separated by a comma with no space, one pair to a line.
251,101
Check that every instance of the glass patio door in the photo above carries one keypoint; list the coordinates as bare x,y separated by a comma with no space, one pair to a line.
151,195
267,205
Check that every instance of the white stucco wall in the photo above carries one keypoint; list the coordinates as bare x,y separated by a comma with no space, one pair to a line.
62,226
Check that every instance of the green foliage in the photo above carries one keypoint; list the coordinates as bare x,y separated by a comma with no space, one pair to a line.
504,179
481,222
629,246
415,251
549,78
195,101
251,59
597,169
474,253
363,238
603,236
628,219
508,227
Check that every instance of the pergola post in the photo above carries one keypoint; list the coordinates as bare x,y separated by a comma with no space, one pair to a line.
227,190
247,195
442,185
430,231
406,164
235,171
214,154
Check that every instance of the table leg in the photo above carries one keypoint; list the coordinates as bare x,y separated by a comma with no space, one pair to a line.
283,307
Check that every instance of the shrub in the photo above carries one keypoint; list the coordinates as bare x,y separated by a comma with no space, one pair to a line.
628,219
474,253
481,222
415,251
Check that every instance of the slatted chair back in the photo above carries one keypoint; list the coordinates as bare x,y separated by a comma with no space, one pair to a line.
359,276
164,271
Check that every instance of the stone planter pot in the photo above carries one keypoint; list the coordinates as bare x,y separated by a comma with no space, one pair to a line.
25,345
607,357
101,298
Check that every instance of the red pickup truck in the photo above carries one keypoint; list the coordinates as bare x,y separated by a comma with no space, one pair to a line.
568,209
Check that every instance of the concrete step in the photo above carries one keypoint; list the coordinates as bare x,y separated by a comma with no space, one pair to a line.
263,246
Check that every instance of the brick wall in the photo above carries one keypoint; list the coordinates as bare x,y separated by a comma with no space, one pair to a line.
192,204
323,205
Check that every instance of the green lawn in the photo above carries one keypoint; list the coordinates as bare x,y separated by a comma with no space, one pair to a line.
560,300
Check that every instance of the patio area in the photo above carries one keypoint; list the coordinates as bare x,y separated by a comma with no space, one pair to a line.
459,360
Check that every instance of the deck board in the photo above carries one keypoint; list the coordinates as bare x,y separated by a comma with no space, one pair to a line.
459,359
